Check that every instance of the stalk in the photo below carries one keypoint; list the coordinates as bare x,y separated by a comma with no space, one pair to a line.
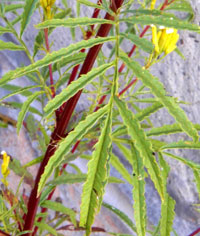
59,130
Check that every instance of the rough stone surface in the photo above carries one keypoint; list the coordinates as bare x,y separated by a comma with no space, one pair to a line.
181,79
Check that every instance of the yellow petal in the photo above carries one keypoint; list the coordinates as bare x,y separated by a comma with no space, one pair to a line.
162,40
155,38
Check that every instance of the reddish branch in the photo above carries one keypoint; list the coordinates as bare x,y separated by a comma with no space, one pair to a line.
195,232
59,130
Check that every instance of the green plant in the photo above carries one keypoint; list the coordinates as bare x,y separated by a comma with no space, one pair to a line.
103,123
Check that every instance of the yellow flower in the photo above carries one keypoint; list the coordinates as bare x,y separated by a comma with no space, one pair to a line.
4,167
47,5
164,40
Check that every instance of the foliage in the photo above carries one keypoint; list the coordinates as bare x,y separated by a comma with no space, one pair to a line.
59,78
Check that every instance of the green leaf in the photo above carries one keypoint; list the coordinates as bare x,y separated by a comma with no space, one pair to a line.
77,178
58,207
167,215
121,215
97,176
65,145
10,46
29,8
48,228
138,192
90,4
19,106
182,144
68,179
197,180
13,7
167,21
13,88
168,205
54,57
16,167
187,162
143,114
158,90
126,152
73,22
168,129
76,58
25,108
19,91
74,87
142,145
181,5
115,162
142,43
34,161
4,30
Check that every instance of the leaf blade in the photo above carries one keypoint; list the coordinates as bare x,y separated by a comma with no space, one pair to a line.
29,8
25,108
142,144
93,188
65,145
158,90
74,87
54,57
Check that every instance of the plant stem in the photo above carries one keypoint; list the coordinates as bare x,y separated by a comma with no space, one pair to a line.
195,232
50,65
59,130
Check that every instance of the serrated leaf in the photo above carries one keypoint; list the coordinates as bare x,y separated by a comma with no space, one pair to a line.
25,108
187,162
121,215
4,30
143,114
19,91
168,205
164,20
139,205
142,43
13,88
76,58
181,5
126,152
167,215
93,189
29,8
34,161
142,145
181,145
54,57
13,7
48,228
74,87
73,22
90,4
168,129
59,207
10,46
19,106
158,90
16,167
78,178
65,145
197,180
115,162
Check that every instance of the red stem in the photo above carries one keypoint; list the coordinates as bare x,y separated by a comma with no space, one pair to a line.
59,130
195,232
